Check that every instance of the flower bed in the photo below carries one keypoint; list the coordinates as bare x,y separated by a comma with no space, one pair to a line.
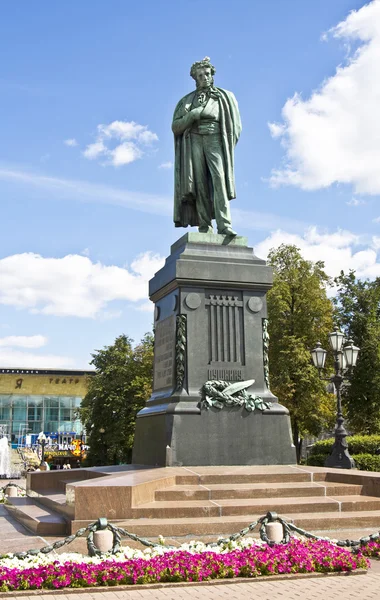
371,549
191,562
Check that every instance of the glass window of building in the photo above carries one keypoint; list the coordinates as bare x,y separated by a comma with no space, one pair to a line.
32,401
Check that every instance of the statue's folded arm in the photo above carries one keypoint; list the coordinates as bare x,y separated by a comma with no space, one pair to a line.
182,123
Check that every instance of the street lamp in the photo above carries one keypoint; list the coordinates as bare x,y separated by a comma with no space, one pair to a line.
81,445
345,357
42,441
104,450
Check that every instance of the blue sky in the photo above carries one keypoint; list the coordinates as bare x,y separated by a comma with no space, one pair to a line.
87,93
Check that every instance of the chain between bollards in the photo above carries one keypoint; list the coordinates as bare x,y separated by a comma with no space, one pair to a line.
52,547
118,532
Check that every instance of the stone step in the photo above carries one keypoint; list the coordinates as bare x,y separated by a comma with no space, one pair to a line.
40,520
248,506
201,501
236,475
255,490
53,499
194,527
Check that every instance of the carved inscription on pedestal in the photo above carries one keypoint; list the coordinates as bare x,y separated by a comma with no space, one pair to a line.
164,353
225,374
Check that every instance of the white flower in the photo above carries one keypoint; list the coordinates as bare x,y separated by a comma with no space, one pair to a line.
194,547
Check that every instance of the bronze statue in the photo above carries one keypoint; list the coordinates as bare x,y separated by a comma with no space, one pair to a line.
206,127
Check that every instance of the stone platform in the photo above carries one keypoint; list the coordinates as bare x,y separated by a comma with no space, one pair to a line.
177,502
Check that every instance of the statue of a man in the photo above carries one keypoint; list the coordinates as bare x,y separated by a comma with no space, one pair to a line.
206,127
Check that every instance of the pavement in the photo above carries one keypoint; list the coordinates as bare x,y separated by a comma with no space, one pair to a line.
14,537
365,587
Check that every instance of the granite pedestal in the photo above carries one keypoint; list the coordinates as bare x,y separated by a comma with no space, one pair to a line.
210,324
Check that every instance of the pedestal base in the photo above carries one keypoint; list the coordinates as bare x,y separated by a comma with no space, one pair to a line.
184,437
211,326
340,458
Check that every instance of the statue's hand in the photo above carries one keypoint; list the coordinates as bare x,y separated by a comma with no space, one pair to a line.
196,112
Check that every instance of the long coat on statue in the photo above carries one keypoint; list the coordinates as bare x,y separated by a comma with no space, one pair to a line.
185,193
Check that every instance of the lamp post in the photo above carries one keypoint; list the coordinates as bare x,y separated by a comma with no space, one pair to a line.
345,357
42,441
104,453
81,445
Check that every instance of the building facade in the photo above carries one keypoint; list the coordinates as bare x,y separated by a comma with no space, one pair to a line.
35,400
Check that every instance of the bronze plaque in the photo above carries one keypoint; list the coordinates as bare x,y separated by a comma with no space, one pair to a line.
164,353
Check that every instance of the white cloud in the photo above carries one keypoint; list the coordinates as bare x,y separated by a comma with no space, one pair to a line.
73,189
333,136
147,264
108,315
145,307
166,165
71,142
72,285
251,219
356,202
125,153
23,341
276,130
95,150
147,137
27,360
339,251
11,356
84,191
376,220
129,140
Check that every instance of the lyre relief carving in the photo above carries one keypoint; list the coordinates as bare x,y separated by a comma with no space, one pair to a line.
225,329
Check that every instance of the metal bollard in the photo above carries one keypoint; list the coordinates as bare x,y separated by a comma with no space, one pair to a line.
11,491
103,540
274,532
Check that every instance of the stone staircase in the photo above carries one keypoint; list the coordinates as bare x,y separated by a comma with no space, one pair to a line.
205,501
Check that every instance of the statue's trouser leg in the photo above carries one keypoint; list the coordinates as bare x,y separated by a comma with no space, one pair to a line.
201,176
215,161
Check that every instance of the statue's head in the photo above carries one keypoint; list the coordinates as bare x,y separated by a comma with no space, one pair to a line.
203,72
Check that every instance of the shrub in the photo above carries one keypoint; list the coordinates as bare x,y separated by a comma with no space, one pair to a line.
363,461
367,462
321,448
363,444
316,460
357,444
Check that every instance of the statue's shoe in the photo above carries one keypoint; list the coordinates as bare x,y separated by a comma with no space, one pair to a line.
228,231
205,229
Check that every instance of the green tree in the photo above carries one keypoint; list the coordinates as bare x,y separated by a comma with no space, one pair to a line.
119,389
358,310
300,314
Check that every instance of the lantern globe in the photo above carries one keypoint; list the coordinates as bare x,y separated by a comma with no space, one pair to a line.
351,353
318,354
336,339
342,360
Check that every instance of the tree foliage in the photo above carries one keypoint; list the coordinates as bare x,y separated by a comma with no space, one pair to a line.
358,310
119,389
300,315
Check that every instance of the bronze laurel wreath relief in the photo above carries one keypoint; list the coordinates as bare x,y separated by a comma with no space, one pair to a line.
221,394
180,351
266,351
